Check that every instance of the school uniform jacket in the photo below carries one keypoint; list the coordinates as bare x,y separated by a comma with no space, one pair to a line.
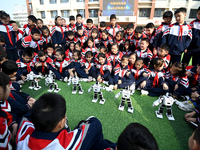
165,58
104,70
146,55
93,49
96,42
62,66
192,70
129,37
115,58
178,37
136,42
120,43
126,52
28,41
89,31
24,65
195,25
156,77
82,38
70,27
137,73
49,62
47,39
88,65
19,35
107,42
27,30
112,31
68,53
58,34
82,25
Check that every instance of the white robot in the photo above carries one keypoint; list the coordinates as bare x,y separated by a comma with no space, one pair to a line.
50,80
34,83
126,93
166,101
97,91
75,81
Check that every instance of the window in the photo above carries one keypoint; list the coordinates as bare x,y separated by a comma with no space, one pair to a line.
159,12
41,2
43,14
65,13
144,12
64,1
29,0
93,13
30,6
193,13
52,1
93,0
80,0
196,0
53,13
82,12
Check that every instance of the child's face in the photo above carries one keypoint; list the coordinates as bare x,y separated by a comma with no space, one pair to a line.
39,24
162,52
72,22
15,27
180,17
114,49
102,50
42,58
75,56
159,68
104,36
143,45
89,25
71,37
102,28
45,33
113,22
198,69
79,20
50,50
6,21
89,58
71,47
94,35
26,58
168,20
132,59
36,36
127,44
59,21
118,37
198,15
102,60
138,64
138,35
59,56
80,32
125,62
90,43
2,43
63,22
77,47
5,93
149,31
129,31
173,70
30,23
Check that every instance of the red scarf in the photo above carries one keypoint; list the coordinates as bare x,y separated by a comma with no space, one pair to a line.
9,34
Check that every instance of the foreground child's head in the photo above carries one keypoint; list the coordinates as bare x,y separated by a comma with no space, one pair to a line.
124,60
10,68
167,17
94,33
35,33
139,63
32,20
178,69
14,25
4,86
144,43
76,54
49,47
127,44
149,28
103,49
104,34
180,15
90,42
163,50
70,35
58,21
5,18
72,46
101,58
78,46
28,55
194,140
89,23
80,30
157,64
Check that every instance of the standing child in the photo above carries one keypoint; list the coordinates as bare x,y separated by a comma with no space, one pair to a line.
150,32
81,36
79,22
106,40
31,24
69,52
90,26
46,36
40,24
129,33
70,38
102,27
91,47
94,36
127,48
119,39
178,36
72,25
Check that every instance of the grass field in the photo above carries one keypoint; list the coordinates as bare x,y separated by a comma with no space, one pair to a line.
170,135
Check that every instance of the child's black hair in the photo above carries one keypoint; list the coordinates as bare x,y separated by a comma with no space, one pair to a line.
198,9
157,62
32,18
182,9
105,31
165,46
115,44
77,52
78,43
61,52
79,15
105,49
139,29
4,15
56,18
71,44
95,31
129,42
130,26
71,18
45,28
90,39
121,33
70,33
140,59
180,69
133,53
3,54
145,39
88,54
48,111
2,38
89,21
35,31
4,80
167,14
113,16
125,57
136,137
102,24
58,47
149,25
79,28
48,45
1,11
28,52
12,21
101,55
9,67
41,53
39,20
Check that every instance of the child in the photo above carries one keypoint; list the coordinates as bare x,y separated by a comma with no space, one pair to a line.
122,77
49,48
69,52
104,68
137,38
163,53
94,36
119,39
9,35
49,120
127,48
58,33
167,17
89,27
194,140
2,41
3,56
144,51
79,23
81,35
129,33
18,33
70,38
103,50
44,63
63,22
31,24
132,59
155,85
106,40
102,27
91,47
46,36
113,28
79,48
178,36
150,32
115,55
71,26
34,40
193,73
40,24
194,48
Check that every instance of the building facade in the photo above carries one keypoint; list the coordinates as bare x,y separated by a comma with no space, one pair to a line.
144,11
20,14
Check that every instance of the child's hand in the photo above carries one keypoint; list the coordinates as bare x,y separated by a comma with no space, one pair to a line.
115,87
189,115
185,51
14,131
86,71
45,64
120,82
175,87
23,78
145,74
56,45
191,119
165,87
143,84
155,51
39,64
188,73
99,79
128,73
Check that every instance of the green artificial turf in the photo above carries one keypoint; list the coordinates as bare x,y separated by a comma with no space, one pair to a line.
170,135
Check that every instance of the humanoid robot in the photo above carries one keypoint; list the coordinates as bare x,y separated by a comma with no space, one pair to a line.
97,91
34,83
126,93
50,80
166,101
75,81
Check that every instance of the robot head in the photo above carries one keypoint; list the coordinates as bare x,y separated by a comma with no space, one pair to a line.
126,88
31,73
97,82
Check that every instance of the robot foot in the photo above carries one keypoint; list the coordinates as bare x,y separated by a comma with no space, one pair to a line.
74,92
121,108
37,88
50,90
102,101
170,117
31,87
130,109
159,115
57,90
94,100
80,92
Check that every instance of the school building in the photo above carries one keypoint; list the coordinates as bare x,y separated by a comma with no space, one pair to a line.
140,12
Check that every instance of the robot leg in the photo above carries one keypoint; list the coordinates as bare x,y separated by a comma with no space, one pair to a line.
121,106
74,90
102,100
56,88
80,89
130,107
95,98
31,85
51,87
159,113
169,113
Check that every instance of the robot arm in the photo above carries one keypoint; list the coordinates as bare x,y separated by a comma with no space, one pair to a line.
157,102
179,103
107,89
70,81
89,90
118,94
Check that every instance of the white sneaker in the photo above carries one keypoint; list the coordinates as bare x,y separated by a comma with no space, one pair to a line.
105,82
93,79
159,115
65,79
20,82
81,92
111,86
170,117
144,92
121,108
102,101
90,79
139,88
130,109
57,90
94,100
